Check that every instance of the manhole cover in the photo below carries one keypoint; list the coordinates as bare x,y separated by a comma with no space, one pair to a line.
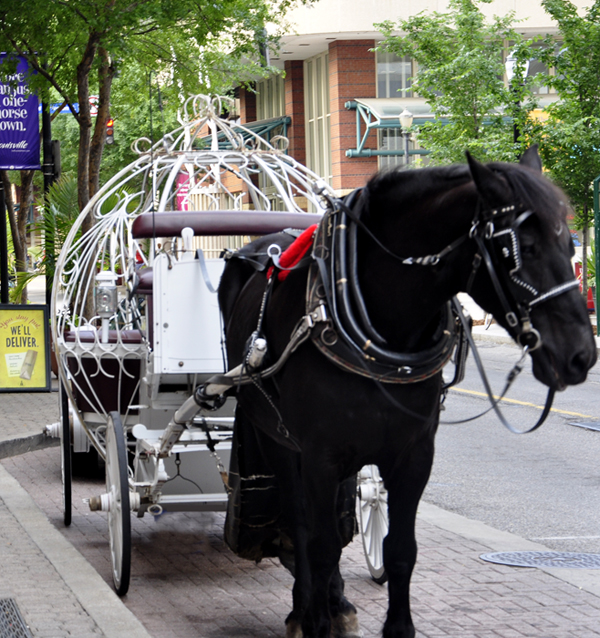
544,559
12,624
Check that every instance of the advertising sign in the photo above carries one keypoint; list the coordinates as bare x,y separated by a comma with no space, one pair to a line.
19,121
183,190
24,348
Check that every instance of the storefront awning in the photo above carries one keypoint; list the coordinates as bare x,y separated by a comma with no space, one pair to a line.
264,128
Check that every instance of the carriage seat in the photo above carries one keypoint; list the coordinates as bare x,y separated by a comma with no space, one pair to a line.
145,281
89,336
102,391
224,222
219,222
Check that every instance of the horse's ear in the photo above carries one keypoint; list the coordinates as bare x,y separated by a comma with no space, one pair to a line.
491,186
531,159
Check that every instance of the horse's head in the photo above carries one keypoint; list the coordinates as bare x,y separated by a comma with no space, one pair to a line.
529,286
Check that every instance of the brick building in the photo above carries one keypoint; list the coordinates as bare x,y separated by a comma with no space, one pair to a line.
339,101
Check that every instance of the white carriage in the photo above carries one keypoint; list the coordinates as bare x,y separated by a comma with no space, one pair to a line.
135,320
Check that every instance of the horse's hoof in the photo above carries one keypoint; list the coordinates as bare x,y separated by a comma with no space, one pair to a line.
346,626
293,629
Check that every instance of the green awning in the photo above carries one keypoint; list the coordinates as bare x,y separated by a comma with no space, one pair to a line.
264,128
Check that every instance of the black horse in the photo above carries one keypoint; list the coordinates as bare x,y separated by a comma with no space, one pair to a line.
371,329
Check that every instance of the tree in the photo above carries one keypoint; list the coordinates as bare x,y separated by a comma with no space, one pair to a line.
570,137
460,74
81,45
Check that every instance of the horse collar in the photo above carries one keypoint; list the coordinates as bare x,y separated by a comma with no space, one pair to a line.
345,334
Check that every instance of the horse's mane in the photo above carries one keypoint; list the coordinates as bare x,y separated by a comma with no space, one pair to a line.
534,191
531,190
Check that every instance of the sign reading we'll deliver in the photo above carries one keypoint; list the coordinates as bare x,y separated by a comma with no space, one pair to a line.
24,348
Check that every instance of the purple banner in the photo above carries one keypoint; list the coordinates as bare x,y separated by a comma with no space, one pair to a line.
19,122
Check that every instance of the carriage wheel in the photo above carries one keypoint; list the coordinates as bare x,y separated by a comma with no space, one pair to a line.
117,488
373,519
66,459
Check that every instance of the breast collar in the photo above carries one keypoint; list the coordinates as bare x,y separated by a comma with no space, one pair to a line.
345,334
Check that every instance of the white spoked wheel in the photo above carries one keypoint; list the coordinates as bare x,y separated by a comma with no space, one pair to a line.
117,489
373,519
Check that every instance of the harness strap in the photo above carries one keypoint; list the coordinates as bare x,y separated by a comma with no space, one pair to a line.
509,314
512,376
219,384
554,292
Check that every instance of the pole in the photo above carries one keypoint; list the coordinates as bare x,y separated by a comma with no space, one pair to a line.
3,249
596,241
48,172
406,155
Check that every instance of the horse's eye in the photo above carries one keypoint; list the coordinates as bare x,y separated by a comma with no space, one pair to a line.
528,248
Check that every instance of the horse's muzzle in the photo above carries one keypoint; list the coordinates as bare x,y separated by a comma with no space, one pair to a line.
571,368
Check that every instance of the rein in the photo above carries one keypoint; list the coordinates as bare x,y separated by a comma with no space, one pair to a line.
512,375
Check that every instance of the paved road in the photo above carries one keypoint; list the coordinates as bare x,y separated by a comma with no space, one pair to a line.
544,486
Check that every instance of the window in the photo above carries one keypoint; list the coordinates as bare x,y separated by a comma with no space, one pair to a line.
536,67
270,99
394,75
316,104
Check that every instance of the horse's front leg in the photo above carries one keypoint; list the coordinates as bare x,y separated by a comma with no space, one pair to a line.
324,546
405,484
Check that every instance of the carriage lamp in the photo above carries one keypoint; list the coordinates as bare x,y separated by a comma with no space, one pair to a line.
106,299
406,121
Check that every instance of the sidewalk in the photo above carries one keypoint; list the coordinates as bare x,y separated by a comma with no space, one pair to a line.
55,589
59,594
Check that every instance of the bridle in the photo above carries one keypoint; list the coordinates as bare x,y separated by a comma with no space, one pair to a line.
500,251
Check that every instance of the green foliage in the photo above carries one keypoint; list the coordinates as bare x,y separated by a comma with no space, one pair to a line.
570,138
460,74
78,48
59,213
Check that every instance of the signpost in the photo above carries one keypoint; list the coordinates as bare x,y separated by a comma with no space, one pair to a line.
19,122
19,141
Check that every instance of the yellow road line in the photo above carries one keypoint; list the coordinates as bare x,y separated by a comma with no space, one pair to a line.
531,405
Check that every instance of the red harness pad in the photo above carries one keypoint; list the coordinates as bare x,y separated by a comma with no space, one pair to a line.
294,253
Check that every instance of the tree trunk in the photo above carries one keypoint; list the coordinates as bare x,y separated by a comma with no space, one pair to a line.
18,221
25,203
10,208
106,73
85,123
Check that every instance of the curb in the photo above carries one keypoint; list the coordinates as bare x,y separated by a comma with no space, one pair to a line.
499,541
98,600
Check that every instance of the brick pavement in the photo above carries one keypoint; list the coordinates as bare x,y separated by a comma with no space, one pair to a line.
56,612
185,582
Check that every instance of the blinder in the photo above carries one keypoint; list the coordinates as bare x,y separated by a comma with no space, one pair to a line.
501,251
